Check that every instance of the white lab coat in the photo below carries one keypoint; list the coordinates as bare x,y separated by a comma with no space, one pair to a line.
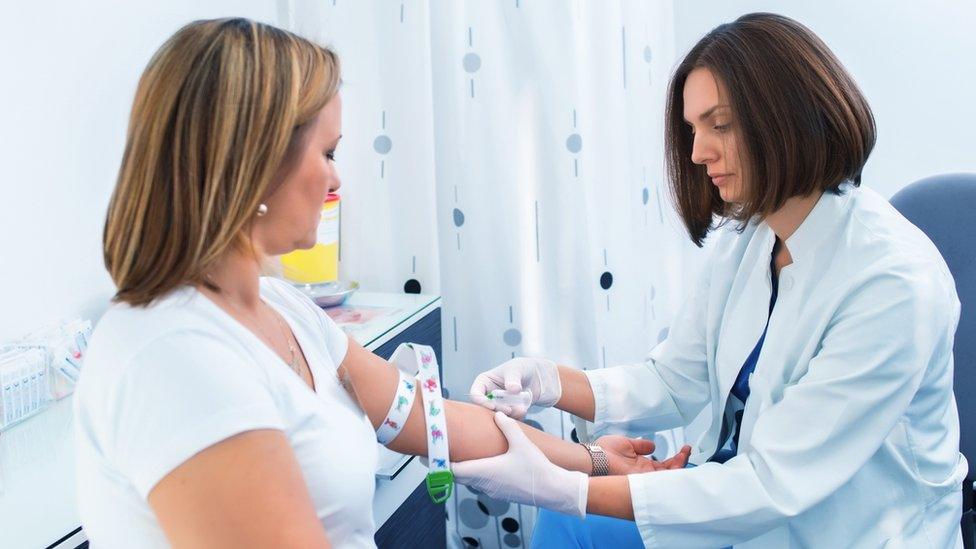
850,436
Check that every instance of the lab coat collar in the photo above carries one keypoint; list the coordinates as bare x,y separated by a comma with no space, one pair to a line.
819,223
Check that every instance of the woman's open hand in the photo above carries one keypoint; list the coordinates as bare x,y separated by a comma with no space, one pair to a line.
631,455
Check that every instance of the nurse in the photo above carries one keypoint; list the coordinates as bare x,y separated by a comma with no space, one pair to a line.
820,333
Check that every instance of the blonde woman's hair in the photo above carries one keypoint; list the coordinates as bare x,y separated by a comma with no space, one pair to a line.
219,116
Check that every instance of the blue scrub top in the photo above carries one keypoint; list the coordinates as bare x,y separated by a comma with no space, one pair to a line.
740,389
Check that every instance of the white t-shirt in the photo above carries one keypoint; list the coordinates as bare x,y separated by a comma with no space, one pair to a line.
162,383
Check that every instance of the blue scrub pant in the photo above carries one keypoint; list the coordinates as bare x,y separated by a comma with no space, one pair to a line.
558,531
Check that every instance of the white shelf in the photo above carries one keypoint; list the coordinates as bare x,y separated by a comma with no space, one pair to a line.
394,310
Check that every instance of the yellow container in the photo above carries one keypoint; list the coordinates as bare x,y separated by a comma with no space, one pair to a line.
321,262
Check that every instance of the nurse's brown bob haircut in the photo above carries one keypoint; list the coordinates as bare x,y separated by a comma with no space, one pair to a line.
219,117
800,122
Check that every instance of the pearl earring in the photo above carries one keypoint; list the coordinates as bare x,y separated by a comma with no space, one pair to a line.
262,210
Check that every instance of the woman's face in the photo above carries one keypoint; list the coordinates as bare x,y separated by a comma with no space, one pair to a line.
295,208
707,112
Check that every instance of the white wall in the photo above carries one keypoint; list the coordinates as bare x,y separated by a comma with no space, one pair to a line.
913,60
70,71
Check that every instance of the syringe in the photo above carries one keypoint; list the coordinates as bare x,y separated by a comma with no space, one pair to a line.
501,396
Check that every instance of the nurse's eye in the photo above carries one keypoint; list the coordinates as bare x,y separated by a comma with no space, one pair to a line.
330,156
721,128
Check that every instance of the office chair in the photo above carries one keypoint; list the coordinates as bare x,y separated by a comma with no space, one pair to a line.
944,208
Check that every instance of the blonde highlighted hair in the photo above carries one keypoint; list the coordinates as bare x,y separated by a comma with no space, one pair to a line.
219,115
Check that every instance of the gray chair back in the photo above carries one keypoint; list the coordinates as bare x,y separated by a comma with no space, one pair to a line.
944,208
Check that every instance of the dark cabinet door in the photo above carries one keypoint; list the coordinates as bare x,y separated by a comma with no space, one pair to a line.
419,522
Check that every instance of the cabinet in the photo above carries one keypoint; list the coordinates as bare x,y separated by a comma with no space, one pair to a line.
418,521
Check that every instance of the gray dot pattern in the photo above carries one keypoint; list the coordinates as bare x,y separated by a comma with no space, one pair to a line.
382,144
574,143
471,515
458,217
512,337
511,540
645,195
471,62
495,508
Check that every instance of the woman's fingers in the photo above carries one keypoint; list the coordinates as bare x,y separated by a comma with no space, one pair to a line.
642,446
680,459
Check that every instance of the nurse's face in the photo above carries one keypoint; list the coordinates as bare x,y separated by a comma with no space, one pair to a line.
709,116
295,208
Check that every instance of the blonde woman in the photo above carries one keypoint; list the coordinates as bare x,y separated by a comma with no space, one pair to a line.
220,408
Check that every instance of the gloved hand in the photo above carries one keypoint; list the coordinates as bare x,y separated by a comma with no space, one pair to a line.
537,375
524,474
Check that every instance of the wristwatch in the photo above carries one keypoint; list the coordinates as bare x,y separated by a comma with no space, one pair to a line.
601,466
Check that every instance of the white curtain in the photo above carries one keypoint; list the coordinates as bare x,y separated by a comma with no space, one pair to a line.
518,172
386,156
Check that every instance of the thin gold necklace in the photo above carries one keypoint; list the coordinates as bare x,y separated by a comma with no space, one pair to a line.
293,361
293,356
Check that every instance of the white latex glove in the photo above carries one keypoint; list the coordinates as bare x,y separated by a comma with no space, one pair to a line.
537,375
524,474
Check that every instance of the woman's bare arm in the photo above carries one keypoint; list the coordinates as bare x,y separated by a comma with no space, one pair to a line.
471,429
577,396
245,491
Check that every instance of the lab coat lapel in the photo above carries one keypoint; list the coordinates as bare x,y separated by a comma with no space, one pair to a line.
818,227
746,311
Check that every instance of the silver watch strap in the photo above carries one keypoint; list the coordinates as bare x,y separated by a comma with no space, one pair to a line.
601,465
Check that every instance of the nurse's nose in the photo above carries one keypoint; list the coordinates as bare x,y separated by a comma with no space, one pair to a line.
702,152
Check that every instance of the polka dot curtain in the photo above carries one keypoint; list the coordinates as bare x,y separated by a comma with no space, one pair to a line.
556,239
508,155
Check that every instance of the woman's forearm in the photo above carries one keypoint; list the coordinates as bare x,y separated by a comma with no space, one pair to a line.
485,439
610,496
473,434
471,430
577,395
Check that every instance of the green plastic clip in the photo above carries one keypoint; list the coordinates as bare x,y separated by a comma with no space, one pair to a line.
440,484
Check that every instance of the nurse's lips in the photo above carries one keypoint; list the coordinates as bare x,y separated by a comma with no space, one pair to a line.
719,178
